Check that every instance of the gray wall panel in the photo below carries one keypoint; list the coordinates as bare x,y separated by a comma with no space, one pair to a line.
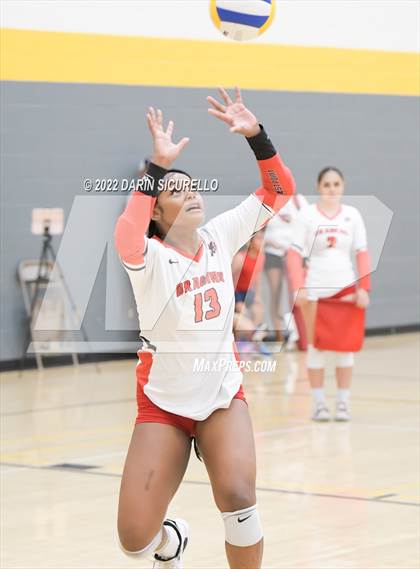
55,135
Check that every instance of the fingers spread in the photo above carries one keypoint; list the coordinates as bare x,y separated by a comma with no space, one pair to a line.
225,96
152,113
182,143
222,116
216,104
150,123
170,128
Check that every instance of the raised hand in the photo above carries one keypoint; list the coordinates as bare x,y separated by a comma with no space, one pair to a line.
164,150
234,113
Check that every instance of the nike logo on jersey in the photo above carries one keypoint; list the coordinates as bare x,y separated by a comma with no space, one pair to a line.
244,519
172,261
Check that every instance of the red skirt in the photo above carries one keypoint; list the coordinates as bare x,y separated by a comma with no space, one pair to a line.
340,325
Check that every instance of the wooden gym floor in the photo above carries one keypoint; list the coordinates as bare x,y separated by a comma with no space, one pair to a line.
330,495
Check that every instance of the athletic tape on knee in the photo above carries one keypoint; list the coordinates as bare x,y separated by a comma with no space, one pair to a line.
148,551
315,358
345,359
243,528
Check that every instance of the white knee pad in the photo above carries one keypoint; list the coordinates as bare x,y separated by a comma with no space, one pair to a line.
315,358
148,551
243,527
345,359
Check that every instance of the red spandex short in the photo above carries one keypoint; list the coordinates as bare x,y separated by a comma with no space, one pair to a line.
148,412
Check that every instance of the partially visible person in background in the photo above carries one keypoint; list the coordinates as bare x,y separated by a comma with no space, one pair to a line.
331,232
277,240
247,267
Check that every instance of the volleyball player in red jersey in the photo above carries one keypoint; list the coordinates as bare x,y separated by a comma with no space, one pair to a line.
182,281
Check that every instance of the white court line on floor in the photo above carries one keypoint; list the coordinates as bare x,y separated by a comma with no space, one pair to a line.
96,456
303,426
285,430
400,428
6,469
313,425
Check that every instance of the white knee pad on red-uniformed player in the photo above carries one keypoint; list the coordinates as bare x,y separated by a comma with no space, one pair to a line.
174,534
148,551
243,527
344,359
315,358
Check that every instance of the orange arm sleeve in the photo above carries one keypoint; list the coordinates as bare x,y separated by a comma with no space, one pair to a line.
131,228
277,180
133,223
278,183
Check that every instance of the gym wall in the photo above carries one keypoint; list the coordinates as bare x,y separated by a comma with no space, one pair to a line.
334,83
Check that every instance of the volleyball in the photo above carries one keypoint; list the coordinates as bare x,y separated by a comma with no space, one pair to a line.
242,20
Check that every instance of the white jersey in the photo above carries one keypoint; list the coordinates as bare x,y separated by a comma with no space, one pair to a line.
330,243
279,230
185,307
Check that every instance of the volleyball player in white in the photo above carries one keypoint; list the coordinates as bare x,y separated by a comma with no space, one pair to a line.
182,282
331,232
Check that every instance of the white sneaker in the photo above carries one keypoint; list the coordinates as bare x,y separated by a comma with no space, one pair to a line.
342,412
181,527
321,413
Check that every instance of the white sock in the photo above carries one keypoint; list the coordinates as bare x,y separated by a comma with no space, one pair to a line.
171,543
318,395
343,396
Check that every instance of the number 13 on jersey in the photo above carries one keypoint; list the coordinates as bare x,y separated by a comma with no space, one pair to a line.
211,308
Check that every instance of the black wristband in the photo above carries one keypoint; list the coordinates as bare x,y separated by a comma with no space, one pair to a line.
150,181
261,145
